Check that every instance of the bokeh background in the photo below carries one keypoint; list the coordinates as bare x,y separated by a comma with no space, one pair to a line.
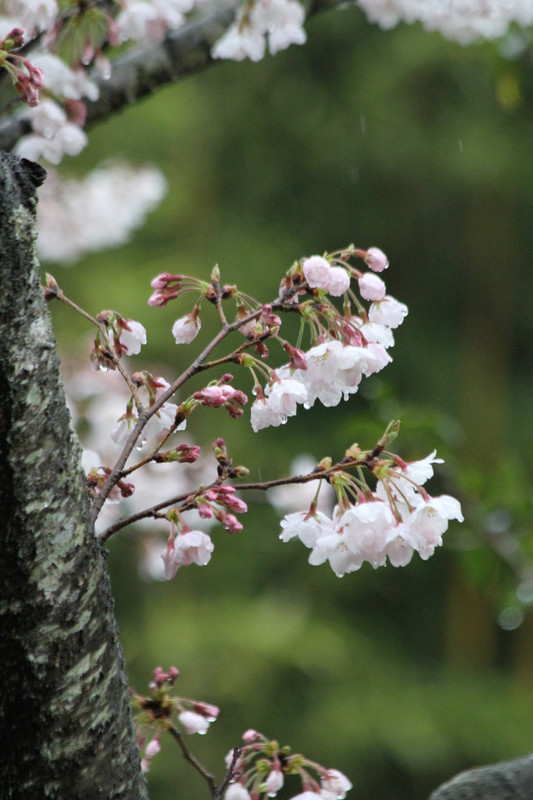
422,147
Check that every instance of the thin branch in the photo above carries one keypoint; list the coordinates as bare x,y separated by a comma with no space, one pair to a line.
188,756
219,790
189,497
60,295
196,366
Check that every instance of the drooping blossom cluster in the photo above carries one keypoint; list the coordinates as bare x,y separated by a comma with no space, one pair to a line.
460,20
386,520
392,522
218,502
117,337
349,345
279,20
156,712
57,121
260,768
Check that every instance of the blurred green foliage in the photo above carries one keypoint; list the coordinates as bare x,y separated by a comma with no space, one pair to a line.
423,148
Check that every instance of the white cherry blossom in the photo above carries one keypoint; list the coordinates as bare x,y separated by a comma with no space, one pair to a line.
193,722
388,311
186,329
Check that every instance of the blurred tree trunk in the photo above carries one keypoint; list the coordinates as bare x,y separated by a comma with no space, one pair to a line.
64,707
511,780
472,633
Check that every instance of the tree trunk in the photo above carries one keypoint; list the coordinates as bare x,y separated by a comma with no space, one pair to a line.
511,780
64,705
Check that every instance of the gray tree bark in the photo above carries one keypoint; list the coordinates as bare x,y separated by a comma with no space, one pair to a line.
64,706
510,780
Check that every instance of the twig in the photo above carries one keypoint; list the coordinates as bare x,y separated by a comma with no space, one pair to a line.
188,756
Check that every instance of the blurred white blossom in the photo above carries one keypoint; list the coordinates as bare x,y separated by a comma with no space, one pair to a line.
99,211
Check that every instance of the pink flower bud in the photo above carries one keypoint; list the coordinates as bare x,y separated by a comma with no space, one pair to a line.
376,259
164,279
252,735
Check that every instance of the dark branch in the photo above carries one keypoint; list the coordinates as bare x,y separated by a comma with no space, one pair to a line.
142,70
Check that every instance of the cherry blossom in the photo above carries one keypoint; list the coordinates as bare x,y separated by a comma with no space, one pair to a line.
280,20
316,270
240,42
274,782
192,547
193,722
319,274
279,404
34,15
371,287
335,781
376,259
236,791
388,311
132,336
186,329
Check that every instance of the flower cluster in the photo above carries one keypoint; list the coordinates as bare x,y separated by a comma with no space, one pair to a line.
349,345
259,768
280,20
220,394
57,124
185,546
461,21
116,337
155,715
27,79
392,522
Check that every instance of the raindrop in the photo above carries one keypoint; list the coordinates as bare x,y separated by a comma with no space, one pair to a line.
362,122
141,444
524,591
510,618
461,149
498,521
